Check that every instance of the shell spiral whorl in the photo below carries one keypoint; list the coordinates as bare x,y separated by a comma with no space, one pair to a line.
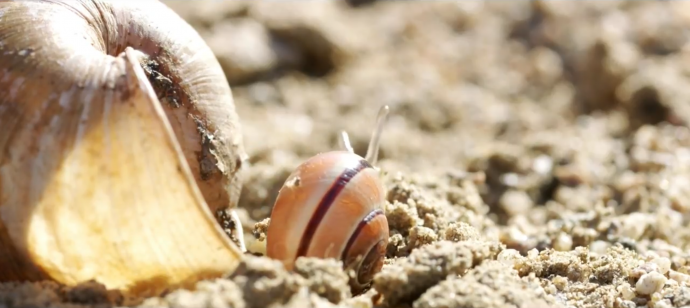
72,48
101,177
331,206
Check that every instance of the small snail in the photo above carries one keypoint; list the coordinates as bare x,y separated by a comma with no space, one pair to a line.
331,207
119,141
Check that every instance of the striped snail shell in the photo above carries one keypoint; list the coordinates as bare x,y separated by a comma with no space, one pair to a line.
331,206
118,142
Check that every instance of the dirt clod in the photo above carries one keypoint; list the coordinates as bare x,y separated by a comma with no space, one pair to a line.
408,278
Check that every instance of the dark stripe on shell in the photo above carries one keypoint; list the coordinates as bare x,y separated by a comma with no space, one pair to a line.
326,203
367,219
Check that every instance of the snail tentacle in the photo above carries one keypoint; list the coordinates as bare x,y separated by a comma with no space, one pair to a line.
345,142
372,155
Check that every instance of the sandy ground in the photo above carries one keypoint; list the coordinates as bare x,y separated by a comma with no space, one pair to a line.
537,154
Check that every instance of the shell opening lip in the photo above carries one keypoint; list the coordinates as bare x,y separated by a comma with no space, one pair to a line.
367,219
368,266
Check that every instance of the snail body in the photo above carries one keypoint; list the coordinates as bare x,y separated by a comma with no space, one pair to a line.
118,142
331,206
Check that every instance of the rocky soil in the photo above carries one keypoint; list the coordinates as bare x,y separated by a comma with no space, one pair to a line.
537,153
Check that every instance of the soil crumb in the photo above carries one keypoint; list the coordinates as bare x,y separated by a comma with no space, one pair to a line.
537,153
51,294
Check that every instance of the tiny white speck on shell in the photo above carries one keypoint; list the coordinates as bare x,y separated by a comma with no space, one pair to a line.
293,181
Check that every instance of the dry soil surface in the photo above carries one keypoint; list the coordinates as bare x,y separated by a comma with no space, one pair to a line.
537,153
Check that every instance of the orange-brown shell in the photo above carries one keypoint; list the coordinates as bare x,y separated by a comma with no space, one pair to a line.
330,207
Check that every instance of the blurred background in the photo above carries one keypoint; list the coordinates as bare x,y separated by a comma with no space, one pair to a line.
562,107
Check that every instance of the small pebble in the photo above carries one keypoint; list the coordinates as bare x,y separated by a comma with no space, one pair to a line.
664,264
678,276
650,283
560,282
655,299
627,304
514,238
664,303
542,164
626,291
508,256
599,247
563,242
515,202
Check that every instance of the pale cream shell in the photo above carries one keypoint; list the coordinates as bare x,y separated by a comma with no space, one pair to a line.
98,179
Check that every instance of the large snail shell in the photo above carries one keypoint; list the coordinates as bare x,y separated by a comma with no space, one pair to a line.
331,207
98,179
